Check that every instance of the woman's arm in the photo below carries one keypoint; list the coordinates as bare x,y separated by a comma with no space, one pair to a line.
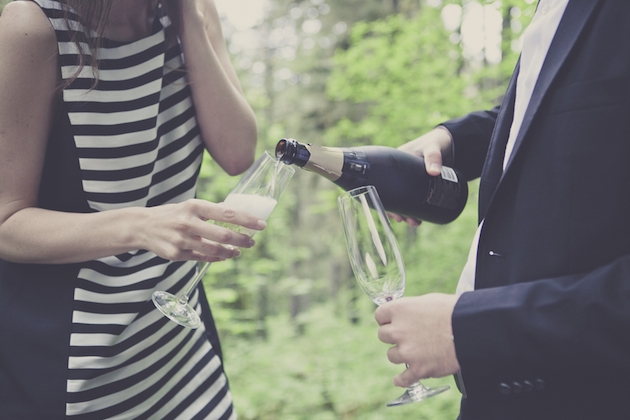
227,122
28,234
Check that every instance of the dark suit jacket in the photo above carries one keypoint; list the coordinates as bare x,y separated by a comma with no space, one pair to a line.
547,333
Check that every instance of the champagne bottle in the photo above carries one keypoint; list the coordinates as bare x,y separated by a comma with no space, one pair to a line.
400,178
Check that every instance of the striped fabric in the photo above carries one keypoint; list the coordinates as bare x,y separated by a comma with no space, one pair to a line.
138,144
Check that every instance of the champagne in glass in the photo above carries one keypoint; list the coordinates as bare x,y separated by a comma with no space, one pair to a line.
376,261
258,205
257,193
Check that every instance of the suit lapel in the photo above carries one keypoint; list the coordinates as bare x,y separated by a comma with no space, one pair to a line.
493,167
573,22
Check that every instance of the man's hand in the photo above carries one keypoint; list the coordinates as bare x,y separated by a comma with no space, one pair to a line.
420,330
436,148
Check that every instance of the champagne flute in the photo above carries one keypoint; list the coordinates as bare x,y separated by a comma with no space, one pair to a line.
376,261
257,193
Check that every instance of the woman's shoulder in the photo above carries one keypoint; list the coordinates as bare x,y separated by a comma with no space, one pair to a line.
27,41
25,29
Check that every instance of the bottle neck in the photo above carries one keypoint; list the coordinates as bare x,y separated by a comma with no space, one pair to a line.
325,161
292,152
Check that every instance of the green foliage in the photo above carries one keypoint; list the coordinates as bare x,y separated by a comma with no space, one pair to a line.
299,337
490,81
435,255
334,370
403,73
321,365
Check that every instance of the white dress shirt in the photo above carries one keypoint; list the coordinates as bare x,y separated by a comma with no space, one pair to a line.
536,41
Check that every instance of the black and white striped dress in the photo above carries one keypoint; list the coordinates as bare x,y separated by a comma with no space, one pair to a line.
86,341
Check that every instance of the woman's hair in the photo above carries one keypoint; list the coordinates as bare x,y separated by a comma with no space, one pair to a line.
94,16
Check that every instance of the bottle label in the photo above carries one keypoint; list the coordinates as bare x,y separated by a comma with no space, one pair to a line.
355,164
449,174
444,190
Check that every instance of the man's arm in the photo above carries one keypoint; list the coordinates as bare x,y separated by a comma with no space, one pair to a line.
471,138
571,328
528,332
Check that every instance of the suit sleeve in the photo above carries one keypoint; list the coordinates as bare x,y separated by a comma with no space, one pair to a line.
557,331
471,137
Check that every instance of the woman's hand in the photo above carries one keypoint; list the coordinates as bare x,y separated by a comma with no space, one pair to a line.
181,231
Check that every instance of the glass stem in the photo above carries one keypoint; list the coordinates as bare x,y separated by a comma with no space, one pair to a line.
183,299
416,384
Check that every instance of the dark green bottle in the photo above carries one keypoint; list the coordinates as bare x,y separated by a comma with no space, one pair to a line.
400,178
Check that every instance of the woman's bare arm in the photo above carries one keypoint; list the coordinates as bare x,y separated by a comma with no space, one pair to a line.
28,234
227,122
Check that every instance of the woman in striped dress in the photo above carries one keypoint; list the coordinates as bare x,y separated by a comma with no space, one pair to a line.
102,129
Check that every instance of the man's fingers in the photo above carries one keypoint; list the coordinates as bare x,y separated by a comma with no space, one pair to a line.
413,222
383,314
393,355
396,217
433,160
406,378
385,334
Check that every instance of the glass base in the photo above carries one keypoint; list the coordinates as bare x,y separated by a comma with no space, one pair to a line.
416,392
175,310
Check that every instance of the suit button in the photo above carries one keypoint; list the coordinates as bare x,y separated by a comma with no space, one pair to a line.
539,384
517,387
505,389
528,386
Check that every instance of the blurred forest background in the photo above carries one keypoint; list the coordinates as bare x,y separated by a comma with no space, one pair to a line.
299,338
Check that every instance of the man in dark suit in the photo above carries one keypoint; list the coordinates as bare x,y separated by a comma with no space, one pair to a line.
545,334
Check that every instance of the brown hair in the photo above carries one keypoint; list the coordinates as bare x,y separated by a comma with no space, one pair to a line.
94,16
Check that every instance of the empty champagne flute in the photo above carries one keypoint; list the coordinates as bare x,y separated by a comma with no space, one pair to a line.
257,193
376,261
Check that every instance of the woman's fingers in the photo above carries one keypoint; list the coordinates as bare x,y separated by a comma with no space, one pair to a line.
189,231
